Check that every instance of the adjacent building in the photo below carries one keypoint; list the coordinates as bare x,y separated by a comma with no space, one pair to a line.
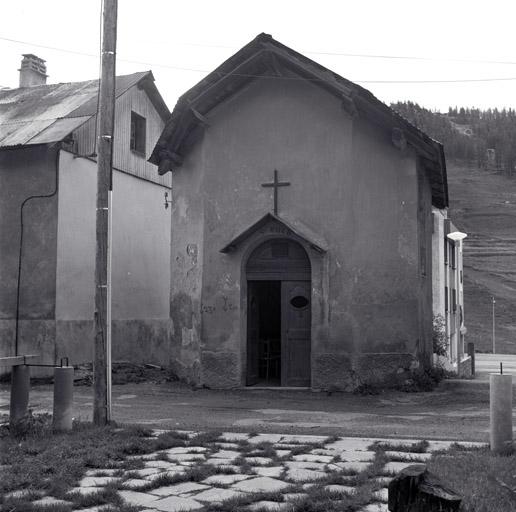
48,175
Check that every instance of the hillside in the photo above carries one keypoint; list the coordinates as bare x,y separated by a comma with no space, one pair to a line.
483,204
480,148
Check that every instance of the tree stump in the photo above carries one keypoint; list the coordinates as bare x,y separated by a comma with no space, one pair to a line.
415,489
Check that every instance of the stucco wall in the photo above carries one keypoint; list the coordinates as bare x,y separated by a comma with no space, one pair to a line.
349,184
186,266
140,265
23,173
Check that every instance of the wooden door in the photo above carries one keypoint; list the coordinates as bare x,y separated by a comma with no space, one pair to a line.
296,324
253,333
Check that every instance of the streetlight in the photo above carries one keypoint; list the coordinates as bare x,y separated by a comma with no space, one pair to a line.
457,236
494,343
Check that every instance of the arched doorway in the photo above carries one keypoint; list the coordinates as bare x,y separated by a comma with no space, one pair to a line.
278,276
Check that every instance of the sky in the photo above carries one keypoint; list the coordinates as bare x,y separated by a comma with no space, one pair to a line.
437,54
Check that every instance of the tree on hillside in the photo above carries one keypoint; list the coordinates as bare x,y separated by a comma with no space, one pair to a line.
467,133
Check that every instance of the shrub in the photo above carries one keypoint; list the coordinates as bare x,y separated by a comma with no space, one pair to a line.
440,343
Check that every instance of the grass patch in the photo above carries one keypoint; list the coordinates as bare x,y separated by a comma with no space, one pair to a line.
54,463
487,482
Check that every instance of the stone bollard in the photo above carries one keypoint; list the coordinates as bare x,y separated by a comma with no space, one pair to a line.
20,386
63,398
500,396
471,353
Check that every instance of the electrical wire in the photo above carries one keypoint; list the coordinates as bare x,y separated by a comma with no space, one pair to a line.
179,68
336,54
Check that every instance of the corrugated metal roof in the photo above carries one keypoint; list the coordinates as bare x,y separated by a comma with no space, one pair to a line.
48,113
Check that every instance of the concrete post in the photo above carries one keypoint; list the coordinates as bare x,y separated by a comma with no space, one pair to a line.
471,353
63,398
501,413
20,385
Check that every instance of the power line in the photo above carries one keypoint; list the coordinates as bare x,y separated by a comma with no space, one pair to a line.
179,68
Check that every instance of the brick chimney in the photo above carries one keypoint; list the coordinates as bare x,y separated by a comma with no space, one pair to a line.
33,71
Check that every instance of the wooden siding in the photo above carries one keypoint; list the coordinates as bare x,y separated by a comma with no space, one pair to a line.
134,100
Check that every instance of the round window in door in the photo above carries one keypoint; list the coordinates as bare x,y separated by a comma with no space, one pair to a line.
299,302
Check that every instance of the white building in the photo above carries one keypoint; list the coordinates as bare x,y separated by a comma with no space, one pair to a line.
448,295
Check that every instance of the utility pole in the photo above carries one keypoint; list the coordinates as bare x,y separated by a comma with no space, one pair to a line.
106,115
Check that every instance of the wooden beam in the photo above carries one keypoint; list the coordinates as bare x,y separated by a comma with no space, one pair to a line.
15,360
398,139
349,107
200,117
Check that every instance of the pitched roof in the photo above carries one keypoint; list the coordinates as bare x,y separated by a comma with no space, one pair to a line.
265,57
48,113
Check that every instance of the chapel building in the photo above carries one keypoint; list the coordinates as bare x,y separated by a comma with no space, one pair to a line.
301,247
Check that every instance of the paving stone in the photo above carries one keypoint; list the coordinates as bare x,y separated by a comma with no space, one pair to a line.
97,481
175,470
221,462
306,457
228,446
295,439
265,438
154,476
23,493
234,436
178,489
101,472
146,471
158,431
259,461
137,498
271,505
185,457
176,503
272,471
226,454
318,466
224,479
384,480
356,456
342,489
135,483
260,484
294,496
216,495
98,508
351,444
145,456
323,451
409,456
186,449
375,507
382,495
394,467
85,491
161,464
356,467
50,500
304,475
